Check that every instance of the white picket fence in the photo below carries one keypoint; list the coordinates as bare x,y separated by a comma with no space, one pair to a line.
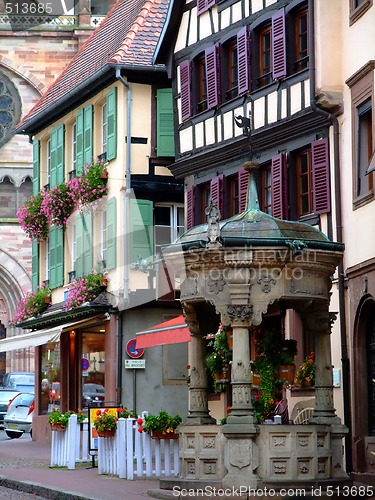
72,446
128,455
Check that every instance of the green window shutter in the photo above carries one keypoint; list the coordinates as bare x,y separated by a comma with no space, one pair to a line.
88,133
79,142
56,257
141,229
79,246
53,163
164,123
111,234
36,167
112,124
60,146
34,264
87,243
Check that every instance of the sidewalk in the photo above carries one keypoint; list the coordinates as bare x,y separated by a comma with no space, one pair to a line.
24,465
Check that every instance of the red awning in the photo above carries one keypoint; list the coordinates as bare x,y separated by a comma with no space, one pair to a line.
173,331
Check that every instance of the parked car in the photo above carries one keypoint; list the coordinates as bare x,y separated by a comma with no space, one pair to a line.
55,393
20,381
92,393
6,395
19,417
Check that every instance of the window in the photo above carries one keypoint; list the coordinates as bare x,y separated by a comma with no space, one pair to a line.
265,54
103,236
201,85
358,8
104,128
25,191
231,70
266,189
8,198
304,182
168,224
233,189
74,146
73,251
301,41
361,85
48,161
203,5
364,148
164,123
204,200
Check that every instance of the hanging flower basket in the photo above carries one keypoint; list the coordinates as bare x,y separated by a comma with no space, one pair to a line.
108,433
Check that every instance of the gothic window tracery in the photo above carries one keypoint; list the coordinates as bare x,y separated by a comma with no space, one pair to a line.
10,108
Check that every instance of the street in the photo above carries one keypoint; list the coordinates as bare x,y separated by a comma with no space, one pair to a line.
4,437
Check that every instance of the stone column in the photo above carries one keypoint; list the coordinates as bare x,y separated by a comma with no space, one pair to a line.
319,325
198,412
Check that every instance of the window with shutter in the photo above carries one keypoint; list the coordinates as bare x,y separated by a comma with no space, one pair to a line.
87,134
212,76
34,264
36,167
84,245
185,86
111,234
190,207
53,164
278,45
141,230
56,257
279,188
164,123
79,142
217,193
60,150
111,102
233,194
203,5
243,184
320,176
304,182
243,54
301,59
265,57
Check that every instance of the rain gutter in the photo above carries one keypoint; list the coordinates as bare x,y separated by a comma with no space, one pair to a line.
339,237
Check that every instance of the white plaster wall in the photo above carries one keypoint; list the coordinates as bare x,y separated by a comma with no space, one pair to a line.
182,33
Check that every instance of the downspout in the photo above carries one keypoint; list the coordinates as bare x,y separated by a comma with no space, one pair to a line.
339,237
128,183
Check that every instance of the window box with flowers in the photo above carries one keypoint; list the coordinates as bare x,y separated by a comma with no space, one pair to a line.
105,422
33,304
59,421
58,205
161,426
305,375
85,289
91,185
31,218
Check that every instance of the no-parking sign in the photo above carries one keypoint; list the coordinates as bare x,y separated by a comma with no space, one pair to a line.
132,350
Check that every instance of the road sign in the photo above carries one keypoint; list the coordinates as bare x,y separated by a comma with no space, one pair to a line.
85,364
132,351
135,363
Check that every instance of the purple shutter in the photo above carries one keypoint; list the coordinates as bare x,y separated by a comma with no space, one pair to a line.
279,187
243,184
190,207
243,52
185,85
211,3
212,76
201,6
217,192
278,45
320,176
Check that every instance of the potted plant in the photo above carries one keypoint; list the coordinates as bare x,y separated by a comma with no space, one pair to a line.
218,360
59,421
105,423
287,368
31,218
85,289
162,425
33,304
125,413
305,375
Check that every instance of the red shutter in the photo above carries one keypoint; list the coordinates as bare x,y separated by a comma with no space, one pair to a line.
217,193
185,76
279,187
190,210
212,76
278,45
202,6
243,184
320,176
243,53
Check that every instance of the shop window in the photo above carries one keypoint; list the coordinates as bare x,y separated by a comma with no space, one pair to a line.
49,377
92,369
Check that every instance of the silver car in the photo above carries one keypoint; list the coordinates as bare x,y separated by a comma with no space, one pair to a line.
19,417
6,395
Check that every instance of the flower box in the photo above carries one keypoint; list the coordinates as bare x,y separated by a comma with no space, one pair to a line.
58,428
162,435
106,433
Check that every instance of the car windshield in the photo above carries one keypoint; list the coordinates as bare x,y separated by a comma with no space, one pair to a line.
21,400
21,380
6,396
93,388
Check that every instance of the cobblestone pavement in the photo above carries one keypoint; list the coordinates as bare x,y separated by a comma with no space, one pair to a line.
10,494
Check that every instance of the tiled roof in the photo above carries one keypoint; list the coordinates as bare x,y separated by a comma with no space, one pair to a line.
128,36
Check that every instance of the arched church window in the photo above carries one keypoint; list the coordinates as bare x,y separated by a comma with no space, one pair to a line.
25,191
10,108
8,198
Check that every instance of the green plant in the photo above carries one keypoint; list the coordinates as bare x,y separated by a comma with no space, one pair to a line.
32,220
288,351
62,419
125,413
220,354
33,304
265,401
163,423
85,288
306,371
105,420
